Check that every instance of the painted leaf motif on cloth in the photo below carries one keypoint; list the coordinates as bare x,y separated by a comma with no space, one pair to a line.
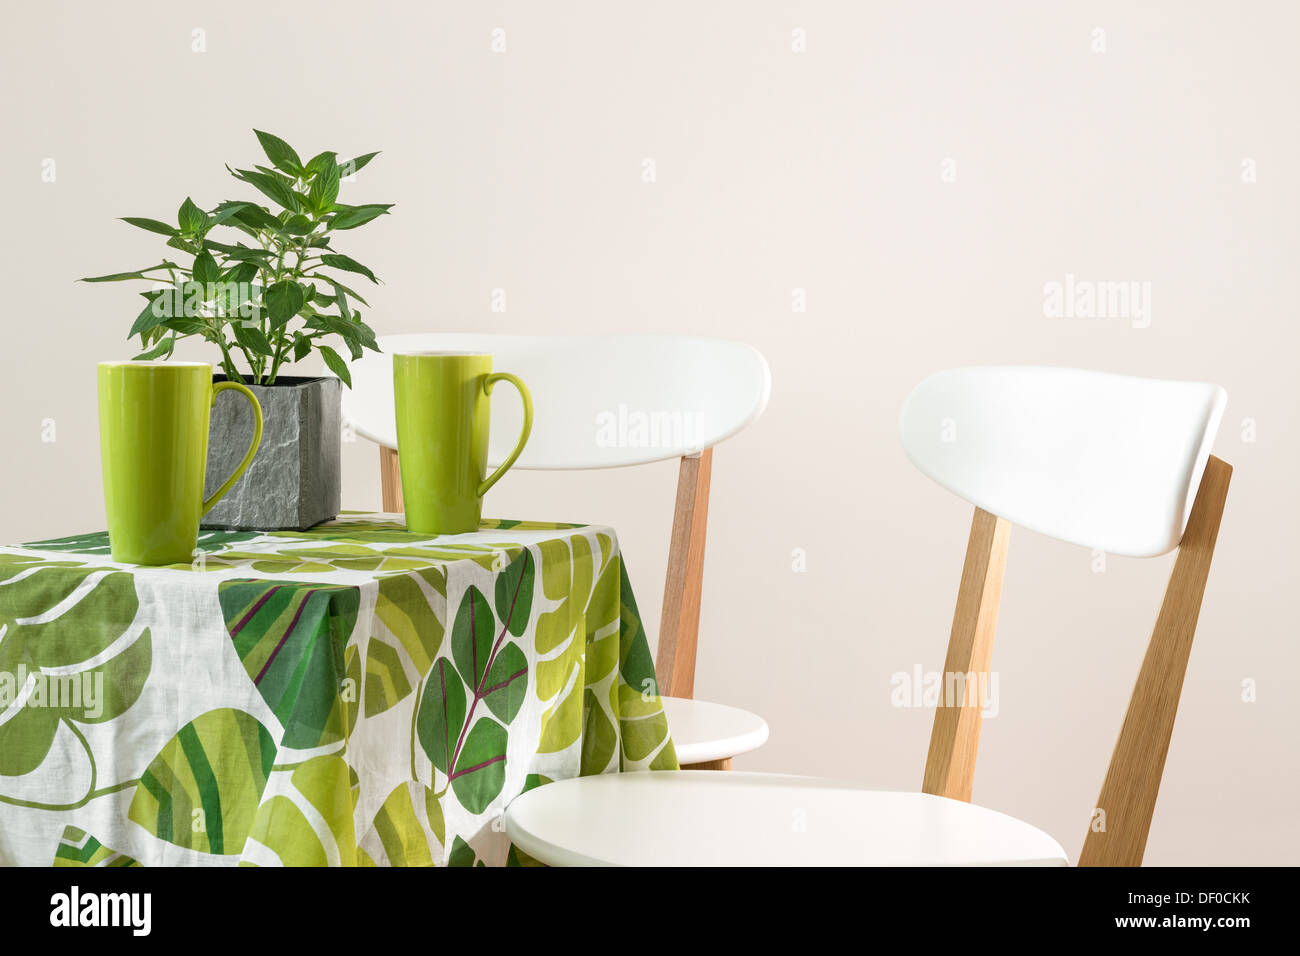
291,639
462,854
56,619
203,789
308,820
599,739
408,830
514,593
481,767
369,657
506,684
442,714
98,544
471,636
78,848
406,607
566,572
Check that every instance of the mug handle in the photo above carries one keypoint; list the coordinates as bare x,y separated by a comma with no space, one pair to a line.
252,448
527,398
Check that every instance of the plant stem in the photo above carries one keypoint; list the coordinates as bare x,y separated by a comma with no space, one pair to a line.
227,363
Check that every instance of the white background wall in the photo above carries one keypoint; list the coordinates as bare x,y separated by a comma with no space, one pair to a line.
776,170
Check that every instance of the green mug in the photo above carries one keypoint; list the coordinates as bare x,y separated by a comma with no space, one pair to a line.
443,416
153,444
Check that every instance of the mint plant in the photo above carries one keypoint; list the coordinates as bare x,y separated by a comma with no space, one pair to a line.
274,295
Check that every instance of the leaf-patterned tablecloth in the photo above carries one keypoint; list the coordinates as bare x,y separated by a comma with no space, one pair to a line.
356,694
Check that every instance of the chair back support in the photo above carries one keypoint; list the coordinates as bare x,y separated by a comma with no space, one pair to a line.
1106,461
600,402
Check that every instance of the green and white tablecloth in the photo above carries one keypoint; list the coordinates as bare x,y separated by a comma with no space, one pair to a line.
356,694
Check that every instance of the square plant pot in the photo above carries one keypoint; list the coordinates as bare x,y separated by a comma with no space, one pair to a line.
294,479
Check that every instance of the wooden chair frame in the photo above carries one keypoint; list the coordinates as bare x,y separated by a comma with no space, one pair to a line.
679,624
1118,836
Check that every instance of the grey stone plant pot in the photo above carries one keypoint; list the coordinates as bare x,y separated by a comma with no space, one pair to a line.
294,480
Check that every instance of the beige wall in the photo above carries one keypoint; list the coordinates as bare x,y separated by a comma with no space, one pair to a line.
775,170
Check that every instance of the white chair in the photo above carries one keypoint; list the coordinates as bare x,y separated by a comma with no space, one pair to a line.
608,402
1104,461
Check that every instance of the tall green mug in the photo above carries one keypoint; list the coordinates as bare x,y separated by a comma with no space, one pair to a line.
153,444
443,417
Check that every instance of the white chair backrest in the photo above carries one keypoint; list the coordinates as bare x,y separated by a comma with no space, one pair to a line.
1107,461
599,401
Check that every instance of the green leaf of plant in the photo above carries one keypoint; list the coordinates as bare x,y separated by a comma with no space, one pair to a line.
206,269
442,713
191,218
355,332
367,333
188,326
280,153
282,301
234,206
153,314
347,264
325,188
306,201
241,252
271,187
255,217
222,213
341,298
298,225
336,364
192,246
151,225
354,348
471,635
252,338
355,165
339,285
351,332
301,347
320,161
120,276
162,350
349,217
241,272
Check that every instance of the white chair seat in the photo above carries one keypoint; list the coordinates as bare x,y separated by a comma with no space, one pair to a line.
704,818
703,731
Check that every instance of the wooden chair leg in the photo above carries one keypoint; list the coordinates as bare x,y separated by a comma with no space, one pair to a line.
390,479
1128,795
679,626
954,741
724,764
